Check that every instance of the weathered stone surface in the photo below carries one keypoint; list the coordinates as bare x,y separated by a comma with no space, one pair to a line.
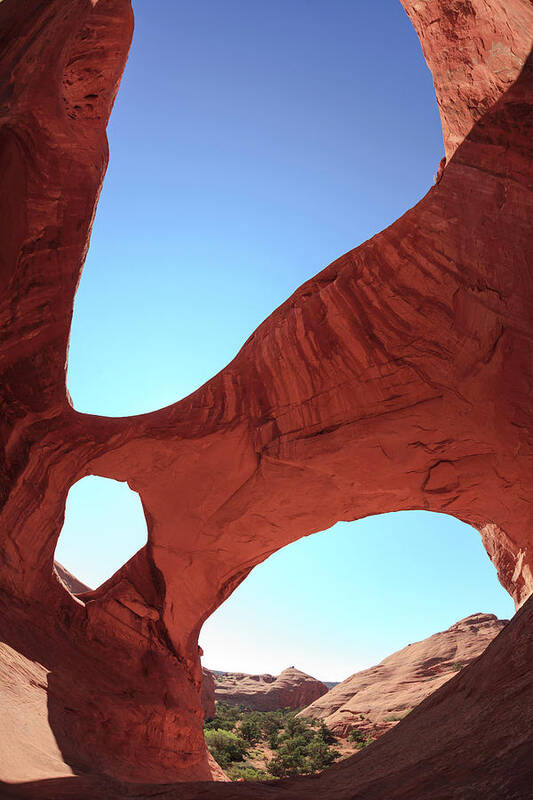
369,699
292,688
475,49
399,377
208,693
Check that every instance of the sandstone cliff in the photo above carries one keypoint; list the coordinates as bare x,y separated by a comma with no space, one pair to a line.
208,693
375,699
290,689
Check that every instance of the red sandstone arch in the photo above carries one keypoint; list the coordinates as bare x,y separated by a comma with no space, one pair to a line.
399,377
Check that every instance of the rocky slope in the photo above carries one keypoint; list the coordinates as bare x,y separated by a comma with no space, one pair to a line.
399,377
375,699
290,689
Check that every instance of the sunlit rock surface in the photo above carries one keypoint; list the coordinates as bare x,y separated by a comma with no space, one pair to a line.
398,378
292,688
374,699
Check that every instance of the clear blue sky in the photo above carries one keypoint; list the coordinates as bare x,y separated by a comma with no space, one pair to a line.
251,144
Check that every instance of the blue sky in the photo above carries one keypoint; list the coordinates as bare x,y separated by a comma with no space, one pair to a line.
251,144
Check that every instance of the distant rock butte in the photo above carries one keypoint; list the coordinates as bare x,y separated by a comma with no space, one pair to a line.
369,699
291,689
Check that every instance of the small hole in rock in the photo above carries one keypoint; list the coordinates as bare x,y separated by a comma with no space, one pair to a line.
104,527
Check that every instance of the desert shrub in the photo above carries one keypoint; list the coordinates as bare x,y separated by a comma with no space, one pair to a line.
290,759
297,727
250,730
301,749
359,739
271,722
226,717
320,755
245,772
300,745
225,746
325,733
273,740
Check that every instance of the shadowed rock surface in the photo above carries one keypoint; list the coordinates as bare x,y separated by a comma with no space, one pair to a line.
292,688
399,377
368,699
208,693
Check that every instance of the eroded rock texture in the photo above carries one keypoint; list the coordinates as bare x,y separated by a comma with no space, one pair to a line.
399,377
292,688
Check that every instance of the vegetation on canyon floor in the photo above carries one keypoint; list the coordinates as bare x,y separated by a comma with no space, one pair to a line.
262,745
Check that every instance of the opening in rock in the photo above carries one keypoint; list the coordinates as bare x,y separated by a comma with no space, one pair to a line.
237,177
104,527
339,602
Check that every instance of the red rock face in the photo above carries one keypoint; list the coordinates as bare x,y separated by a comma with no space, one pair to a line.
398,378
475,49
208,694
290,689
374,699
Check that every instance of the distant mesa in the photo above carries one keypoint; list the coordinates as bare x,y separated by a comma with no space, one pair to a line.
292,689
376,699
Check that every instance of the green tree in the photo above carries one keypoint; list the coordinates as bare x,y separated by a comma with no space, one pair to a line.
225,746
325,733
250,730
245,772
289,760
320,755
273,740
271,723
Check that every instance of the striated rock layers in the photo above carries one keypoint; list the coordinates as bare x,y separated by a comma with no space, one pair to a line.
375,699
291,689
399,377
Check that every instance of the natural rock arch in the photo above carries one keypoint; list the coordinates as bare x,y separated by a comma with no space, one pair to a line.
399,377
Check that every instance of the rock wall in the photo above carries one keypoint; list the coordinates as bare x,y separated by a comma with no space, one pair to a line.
398,378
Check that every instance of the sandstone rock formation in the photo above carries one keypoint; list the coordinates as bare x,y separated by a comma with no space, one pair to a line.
374,699
399,377
290,689
208,693
69,580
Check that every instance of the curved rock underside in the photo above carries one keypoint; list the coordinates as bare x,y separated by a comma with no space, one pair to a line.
399,377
